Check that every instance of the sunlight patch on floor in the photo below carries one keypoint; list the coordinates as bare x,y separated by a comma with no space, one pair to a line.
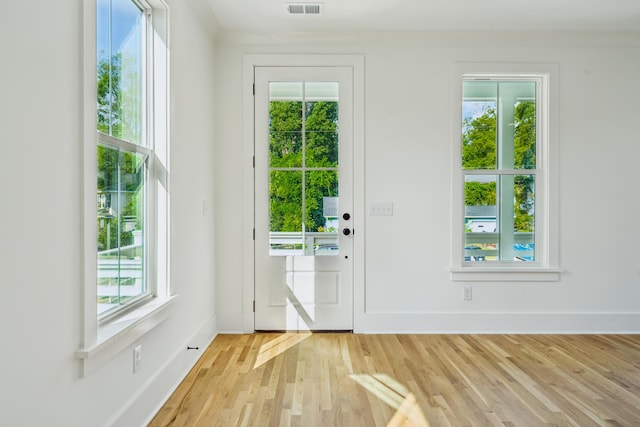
278,346
394,394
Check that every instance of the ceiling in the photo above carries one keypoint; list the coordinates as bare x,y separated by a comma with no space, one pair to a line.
432,15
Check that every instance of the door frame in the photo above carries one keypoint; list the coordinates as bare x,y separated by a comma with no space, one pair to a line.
250,62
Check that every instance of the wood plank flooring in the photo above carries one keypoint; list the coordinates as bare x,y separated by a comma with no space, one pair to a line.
303,379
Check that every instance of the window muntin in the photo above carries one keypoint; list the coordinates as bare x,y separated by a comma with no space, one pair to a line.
499,143
124,154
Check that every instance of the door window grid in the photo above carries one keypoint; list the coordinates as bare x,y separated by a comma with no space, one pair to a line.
303,172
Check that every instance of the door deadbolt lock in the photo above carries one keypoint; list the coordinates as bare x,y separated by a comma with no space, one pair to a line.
346,216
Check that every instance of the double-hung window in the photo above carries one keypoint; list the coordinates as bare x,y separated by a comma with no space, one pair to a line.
501,183
124,155
126,174
131,197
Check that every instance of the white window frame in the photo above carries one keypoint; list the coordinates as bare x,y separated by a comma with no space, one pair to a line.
105,338
545,267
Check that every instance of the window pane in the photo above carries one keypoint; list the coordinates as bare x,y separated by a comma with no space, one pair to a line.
321,91
321,202
120,37
499,125
285,213
499,228
321,134
285,124
481,218
285,134
479,121
524,139
321,124
524,218
121,227
517,125
321,211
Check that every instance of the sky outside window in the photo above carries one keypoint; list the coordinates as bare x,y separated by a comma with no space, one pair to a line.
123,26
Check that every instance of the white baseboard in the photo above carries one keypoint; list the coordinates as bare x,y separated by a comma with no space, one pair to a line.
474,323
150,398
486,323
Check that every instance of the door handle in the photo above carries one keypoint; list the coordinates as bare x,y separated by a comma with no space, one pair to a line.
346,231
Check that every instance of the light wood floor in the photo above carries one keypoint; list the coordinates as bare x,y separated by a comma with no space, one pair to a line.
288,379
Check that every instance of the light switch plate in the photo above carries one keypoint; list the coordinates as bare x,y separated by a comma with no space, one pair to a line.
381,209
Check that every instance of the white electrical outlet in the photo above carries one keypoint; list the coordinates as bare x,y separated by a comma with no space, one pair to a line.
137,358
467,293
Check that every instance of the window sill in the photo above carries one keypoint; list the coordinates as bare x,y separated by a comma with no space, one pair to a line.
120,333
506,274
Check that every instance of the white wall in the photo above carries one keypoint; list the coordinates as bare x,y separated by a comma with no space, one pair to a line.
408,147
40,219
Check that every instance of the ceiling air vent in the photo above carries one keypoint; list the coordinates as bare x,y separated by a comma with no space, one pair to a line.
304,8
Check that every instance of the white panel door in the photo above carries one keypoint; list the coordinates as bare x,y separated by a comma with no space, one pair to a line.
303,198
